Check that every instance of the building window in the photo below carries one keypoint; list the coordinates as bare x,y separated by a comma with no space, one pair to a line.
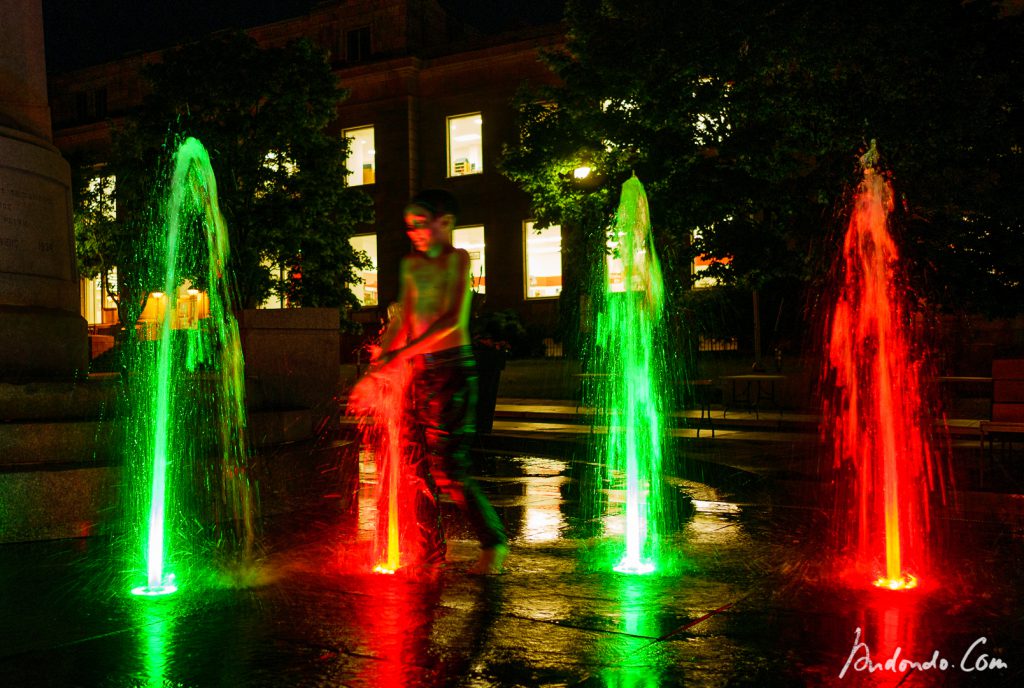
543,261
616,268
357,42
82,106
700,264
190,306
109,286
277,161
465,138
277,297
366,292
100,199
472,239
329,39
362,156
100,102
98,306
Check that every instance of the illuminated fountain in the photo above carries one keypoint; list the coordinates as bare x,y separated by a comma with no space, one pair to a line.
384,434
187,421
874,418
628,393
382,404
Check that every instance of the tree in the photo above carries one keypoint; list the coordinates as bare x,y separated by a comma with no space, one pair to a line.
262,114
745,122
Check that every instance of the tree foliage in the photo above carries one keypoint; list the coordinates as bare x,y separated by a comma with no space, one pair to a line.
745,121
262,114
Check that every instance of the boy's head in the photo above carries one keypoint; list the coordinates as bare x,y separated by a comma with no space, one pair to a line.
430,218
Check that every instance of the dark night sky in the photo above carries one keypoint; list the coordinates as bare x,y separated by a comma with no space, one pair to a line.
84,32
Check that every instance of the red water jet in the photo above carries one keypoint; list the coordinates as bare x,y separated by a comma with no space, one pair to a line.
874,417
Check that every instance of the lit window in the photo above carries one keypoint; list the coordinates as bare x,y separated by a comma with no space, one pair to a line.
472,239
100,205
465,138
543,261
616,269
101,196
640,270
700,264
362,156
110,288
92,300
711,128
276,161
277,298
279,165
366,291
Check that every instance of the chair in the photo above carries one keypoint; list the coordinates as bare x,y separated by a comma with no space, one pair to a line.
1007,404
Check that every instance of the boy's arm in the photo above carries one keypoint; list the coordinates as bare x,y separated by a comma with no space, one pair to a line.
455,316
397,330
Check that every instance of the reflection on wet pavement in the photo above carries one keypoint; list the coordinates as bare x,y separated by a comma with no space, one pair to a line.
749,601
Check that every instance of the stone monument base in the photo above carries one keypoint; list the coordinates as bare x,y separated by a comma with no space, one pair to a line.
42,343
44,335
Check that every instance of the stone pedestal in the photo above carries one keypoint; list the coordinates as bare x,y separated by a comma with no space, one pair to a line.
44,336
42,333
53,473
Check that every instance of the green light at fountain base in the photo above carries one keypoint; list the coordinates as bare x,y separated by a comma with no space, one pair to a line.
634,566
166,588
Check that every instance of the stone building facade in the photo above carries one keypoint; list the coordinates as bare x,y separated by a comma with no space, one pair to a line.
415,76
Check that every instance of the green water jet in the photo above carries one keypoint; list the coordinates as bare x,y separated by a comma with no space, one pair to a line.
188,391
629,389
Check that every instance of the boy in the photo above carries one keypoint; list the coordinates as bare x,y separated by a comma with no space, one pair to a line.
433,335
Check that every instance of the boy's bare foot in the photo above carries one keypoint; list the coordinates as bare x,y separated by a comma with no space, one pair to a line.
491,561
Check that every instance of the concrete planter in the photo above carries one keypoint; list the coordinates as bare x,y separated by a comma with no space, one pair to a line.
291,356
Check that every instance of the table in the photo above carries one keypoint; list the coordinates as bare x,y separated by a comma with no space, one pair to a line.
702,395
756,387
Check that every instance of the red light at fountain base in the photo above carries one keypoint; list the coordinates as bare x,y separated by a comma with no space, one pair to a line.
906,582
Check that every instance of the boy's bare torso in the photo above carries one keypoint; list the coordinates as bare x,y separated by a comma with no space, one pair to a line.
434,287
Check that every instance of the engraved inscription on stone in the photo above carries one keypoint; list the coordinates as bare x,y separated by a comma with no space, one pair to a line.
33,221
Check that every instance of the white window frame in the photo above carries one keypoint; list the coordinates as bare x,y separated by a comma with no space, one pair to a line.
527,231
345,133
449,169
376,269
481,288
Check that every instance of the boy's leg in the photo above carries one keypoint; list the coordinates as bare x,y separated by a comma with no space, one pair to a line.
424,533
450,426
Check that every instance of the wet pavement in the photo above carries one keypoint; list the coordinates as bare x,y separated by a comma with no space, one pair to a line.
748,597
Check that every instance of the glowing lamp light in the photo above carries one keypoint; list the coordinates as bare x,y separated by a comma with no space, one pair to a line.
383,569
581,172
193,292
157,294
907,582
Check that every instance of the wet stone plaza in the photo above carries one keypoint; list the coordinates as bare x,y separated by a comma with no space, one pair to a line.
745,598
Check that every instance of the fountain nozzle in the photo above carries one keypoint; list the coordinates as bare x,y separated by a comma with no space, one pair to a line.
870,159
